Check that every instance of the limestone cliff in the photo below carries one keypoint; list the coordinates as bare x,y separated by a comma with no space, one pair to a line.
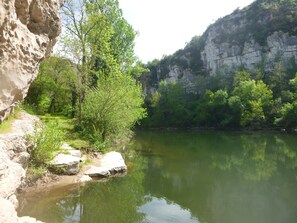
255,36
28,31
14,160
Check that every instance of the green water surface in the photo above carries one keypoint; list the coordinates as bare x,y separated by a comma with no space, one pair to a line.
213,177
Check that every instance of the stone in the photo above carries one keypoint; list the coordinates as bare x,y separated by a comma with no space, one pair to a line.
27,219
110,163
95,171
28,32
7,212
75,152
66,146
114,162
23,159
84,179
70,150
65,164
11,176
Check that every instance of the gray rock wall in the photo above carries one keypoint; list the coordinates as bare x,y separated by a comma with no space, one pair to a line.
28,31
14,160
225,55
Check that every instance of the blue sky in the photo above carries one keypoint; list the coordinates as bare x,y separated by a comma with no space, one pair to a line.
165,26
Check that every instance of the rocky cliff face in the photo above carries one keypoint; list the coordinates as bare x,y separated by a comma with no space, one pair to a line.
28,31
262,32
14,160
253,37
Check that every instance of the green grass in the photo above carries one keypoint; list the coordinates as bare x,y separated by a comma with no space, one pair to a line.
5,127
67,126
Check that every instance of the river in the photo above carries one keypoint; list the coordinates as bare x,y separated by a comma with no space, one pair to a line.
185,177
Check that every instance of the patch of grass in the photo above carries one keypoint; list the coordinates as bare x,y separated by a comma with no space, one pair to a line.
5,127
67,126
34,173
78,143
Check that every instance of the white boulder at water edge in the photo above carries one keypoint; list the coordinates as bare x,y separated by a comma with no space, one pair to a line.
68,161
110,163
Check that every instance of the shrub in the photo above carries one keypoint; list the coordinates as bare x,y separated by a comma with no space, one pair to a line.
46,142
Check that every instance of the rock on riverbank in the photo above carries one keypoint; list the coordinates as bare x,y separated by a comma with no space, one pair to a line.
14,159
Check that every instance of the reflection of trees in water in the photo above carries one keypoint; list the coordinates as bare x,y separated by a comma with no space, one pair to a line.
116,200
260,156
211,173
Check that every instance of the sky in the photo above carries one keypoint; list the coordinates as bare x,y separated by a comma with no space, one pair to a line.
164,26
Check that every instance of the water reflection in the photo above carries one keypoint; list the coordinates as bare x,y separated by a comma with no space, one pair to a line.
187,177
160,210
223,177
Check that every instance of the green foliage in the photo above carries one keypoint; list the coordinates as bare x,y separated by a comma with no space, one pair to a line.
46,142
288,112
54,89
111,109
255,102
213,110
288,117
167,106
34,173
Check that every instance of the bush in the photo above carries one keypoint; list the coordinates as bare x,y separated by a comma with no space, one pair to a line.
46,142
111,109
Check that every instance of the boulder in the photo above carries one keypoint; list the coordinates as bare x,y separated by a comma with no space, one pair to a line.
110,163
7,212
85,178
27,219
70,150
11,176
65,164
96,171
9,215
114,162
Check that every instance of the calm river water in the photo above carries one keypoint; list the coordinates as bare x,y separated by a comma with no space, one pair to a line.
185,177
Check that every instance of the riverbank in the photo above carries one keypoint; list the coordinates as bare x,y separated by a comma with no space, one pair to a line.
15,158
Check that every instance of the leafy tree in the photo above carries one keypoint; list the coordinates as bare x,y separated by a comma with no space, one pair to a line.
254,100
98,38
288,115
169,106
111,108
288,111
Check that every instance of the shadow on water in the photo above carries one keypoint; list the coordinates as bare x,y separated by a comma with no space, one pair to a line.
186,177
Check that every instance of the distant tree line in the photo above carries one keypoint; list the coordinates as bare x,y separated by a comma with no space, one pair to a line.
236,100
